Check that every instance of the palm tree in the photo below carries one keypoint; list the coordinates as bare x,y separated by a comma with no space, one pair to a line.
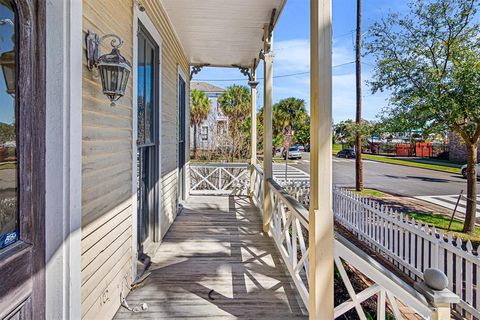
358,72
289,112
235,104
199,110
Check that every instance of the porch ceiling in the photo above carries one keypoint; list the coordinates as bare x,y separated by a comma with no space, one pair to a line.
221,32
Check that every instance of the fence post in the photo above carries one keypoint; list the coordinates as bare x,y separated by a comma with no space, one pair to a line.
434,288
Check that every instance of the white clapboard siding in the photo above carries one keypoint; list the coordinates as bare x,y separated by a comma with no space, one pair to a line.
106,245
106,172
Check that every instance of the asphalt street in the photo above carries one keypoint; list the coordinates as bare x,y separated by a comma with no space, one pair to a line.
390,178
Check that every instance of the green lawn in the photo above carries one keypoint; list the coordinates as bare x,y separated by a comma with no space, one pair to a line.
370,193
336,148
409,163
8,165
441,221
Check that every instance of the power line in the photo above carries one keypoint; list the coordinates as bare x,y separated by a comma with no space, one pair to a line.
279,76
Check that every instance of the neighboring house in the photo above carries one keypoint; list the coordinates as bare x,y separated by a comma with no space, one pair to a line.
457,150
212,134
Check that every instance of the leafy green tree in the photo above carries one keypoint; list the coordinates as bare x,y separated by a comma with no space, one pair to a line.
7,132
345,133
302,134
235,104
429,60
199,110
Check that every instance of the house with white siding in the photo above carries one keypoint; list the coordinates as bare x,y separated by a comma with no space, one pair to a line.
103,216
212,133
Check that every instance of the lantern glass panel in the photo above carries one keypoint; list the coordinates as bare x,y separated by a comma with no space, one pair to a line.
9,217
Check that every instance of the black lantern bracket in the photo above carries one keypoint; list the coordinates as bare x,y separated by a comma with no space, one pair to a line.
113,68
93,47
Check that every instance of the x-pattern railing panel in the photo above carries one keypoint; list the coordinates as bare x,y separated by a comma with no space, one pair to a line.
219,178
289,224
384,286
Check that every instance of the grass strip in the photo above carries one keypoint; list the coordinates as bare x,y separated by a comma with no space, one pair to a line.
408,163
441,221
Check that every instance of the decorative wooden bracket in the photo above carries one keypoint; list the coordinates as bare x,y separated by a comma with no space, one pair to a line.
197,68
244,70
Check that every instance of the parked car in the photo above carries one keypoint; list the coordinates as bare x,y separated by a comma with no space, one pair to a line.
300,147
464,171
307,147
347,153
293,153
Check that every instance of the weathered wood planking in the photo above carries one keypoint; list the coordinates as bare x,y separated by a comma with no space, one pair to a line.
217,243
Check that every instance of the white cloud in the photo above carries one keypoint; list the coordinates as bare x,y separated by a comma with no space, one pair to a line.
293,56
344,100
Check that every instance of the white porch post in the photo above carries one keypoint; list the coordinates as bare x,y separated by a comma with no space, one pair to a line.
253,83
267,126
321,214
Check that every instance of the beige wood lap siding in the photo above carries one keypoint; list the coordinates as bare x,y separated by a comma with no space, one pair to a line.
106,245
173,56
106,172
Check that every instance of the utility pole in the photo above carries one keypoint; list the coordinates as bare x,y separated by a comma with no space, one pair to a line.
358,71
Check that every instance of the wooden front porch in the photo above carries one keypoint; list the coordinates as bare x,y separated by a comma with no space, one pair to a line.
217,243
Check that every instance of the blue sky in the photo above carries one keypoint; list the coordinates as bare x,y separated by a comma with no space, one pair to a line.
292,55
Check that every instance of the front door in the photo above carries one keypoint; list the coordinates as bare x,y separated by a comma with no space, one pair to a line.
181,137
22,159
147,140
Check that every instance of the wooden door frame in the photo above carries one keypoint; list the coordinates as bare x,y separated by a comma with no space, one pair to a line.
29,251
186,147
141,17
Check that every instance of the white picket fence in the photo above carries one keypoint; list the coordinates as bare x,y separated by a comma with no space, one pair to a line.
413,246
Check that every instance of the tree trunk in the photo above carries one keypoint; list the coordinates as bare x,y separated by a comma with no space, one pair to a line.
195,141
233,145
470,216
358,63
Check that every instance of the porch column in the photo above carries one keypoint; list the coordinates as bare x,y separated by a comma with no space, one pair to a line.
321,215
267,126
253,83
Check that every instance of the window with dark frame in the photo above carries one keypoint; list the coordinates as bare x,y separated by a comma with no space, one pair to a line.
204,133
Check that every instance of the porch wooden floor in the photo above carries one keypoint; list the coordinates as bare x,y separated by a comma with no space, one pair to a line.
217,243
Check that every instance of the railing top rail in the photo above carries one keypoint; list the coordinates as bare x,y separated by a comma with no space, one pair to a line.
295,206
381,275
220,164
258,168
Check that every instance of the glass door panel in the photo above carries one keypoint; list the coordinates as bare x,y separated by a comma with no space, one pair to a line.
147,138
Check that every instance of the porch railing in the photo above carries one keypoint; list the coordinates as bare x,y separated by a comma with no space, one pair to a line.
256,183
219,178
289,229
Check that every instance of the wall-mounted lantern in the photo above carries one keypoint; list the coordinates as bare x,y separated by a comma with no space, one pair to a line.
7,62
114,69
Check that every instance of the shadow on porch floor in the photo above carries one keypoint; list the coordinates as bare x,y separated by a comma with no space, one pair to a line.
216,243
